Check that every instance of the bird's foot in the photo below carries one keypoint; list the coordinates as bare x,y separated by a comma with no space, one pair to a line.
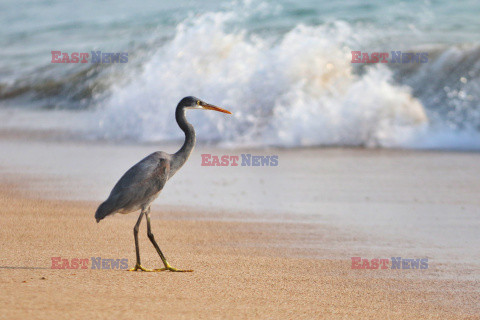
140,267
170,268
167,267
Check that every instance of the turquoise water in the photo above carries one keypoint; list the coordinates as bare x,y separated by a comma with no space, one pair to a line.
284,68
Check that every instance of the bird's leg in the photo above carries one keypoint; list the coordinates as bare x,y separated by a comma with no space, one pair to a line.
138,265
152,239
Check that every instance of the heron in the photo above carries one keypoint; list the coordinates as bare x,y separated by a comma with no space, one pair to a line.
143,182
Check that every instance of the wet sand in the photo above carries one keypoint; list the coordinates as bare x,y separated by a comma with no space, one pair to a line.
247,265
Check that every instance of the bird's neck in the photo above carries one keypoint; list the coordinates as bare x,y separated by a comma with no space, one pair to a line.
181,156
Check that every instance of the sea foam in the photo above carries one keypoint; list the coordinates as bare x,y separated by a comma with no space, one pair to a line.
299,89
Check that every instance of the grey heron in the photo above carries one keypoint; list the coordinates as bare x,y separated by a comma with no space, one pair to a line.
143,182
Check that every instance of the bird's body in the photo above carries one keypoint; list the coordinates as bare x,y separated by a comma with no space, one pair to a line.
138,187
143,182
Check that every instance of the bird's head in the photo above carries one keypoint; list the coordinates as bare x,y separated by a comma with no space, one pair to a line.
195,103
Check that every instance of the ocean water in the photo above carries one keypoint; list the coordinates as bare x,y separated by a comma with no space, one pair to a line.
282,67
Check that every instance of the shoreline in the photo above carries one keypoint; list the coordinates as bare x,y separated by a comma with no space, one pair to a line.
242,270
264,242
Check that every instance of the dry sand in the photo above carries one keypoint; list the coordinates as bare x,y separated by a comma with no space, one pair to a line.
242,270
245,267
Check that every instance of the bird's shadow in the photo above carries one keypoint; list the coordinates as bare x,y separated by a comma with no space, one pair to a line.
23,268
46,268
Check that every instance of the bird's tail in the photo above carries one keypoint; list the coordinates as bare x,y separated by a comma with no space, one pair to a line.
103,210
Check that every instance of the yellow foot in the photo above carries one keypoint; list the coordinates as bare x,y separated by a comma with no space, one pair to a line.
139,267
169,268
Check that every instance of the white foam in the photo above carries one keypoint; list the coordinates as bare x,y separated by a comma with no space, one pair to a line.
297,89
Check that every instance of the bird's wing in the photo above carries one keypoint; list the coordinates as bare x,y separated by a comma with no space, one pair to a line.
140,182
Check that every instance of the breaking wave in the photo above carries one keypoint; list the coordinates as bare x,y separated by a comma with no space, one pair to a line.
293,88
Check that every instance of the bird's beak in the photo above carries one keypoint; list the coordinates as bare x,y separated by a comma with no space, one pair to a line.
212,107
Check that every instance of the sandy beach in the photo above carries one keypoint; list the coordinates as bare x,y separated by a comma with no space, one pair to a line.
344,149
249,262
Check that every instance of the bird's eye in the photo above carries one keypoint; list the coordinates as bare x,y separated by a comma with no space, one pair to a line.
198,102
